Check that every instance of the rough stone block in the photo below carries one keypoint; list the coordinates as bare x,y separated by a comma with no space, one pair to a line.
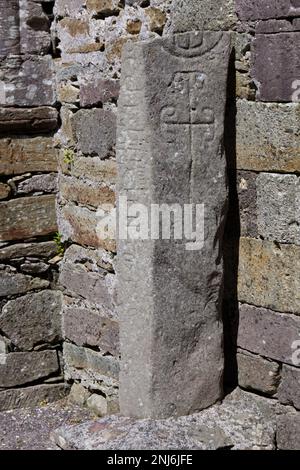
80,225
95,131
28,120
288,432
20,368
68,7
27,81
256,373
96,170
5,190
96,288
27,217
9,32
95,91
242,422
32,396
104,8
195,15
267,137
13,283
269,275
78,394
84,358
23,155
32,320
98,404
276,66
268,333
257,9
278,207
90,258
34,28
245,87
86,327
85,192
156,19
68,93
277,26
20,250
171,122
289,390
38,183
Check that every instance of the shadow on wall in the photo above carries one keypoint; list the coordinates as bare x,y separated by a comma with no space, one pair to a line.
231,239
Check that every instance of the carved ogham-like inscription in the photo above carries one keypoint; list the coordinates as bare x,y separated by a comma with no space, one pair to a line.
170,152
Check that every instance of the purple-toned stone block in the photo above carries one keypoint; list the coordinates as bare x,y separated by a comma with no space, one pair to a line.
263,10
276,66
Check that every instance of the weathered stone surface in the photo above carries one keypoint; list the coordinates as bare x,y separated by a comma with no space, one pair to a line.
32,396
94,91
194,15
34,28
272,53
86,192
22,155
242,422
288,432
104,7
80,225
78,394
289,390
19,250
86,327
171,296
95,381
267,137
38,183
10,32
96,170
33,319
97,404
245,87
91,259
28,120
134,26
95,130
256,9
277,26
256,373
34,268
19,368
246,187
157,19
83,358
278,207
268,333
5,345
269,275
4,190
27,81
96,288
67,93
68,7
13,283
27,217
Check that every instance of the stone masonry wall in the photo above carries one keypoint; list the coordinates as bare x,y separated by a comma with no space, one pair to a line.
30,304
261,305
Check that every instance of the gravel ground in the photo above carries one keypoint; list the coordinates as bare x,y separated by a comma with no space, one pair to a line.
29,428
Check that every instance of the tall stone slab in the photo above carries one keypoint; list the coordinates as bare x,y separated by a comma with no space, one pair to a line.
170,151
